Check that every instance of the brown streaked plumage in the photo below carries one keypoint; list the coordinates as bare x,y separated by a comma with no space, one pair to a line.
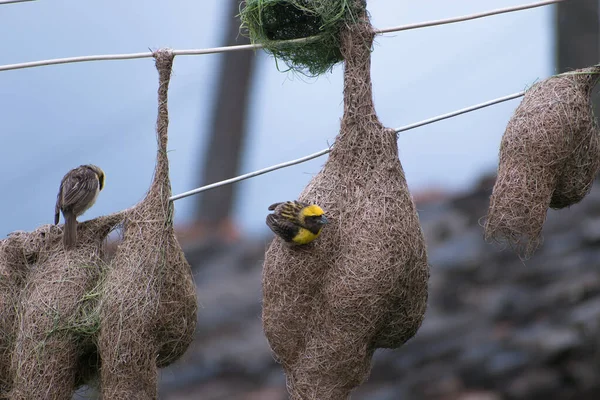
78,191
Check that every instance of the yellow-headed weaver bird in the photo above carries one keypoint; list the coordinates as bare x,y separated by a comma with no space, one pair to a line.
78,191
295,222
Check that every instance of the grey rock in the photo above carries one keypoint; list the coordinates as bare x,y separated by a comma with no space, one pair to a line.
508,301
459,254
448,224
590,230
536,383
547,340
506,362
479,395
586,317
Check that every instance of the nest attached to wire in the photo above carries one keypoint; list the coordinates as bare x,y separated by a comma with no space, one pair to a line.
549,156
270,21
148,308
52,309
363,284
64,311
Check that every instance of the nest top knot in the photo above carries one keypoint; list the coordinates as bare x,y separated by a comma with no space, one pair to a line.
270,21
164,58
588,77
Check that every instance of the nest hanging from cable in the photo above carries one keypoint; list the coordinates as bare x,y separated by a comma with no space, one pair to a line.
65,310
269,21
549,156
363,284
148,307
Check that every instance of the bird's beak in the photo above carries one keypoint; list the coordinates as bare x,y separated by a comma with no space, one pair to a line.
324,220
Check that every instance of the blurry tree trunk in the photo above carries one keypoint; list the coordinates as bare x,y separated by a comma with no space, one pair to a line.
228,126
578,37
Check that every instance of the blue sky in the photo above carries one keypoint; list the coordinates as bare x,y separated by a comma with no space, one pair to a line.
57,117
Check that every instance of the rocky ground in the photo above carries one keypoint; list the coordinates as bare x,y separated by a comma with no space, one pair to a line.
496,327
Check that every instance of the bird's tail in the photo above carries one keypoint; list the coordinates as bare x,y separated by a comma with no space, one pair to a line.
70,230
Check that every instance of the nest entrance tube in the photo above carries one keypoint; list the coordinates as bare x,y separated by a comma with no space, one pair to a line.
148,309
549,156
363,284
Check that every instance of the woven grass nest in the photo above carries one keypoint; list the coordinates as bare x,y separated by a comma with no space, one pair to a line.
269,21
74,317
363,284
549,156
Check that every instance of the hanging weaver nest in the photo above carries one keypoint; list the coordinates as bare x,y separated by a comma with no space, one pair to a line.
69,317
269,21
549,156
148,307
363,284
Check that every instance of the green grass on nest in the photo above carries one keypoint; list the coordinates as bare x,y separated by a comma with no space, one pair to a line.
85,322
270,21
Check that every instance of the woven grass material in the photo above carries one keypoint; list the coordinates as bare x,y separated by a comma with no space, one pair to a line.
49,305
14,268
270,21
148,308
363,284
549,156
64,311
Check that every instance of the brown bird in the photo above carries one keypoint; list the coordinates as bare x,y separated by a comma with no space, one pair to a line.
78,191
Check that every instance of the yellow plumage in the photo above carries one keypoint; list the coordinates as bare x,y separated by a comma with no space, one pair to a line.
304,236
295,222
312,211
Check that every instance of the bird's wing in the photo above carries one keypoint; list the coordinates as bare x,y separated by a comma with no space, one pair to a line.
281,227
78,187
273,206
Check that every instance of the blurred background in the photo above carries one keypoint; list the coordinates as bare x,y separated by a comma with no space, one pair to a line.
496,327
